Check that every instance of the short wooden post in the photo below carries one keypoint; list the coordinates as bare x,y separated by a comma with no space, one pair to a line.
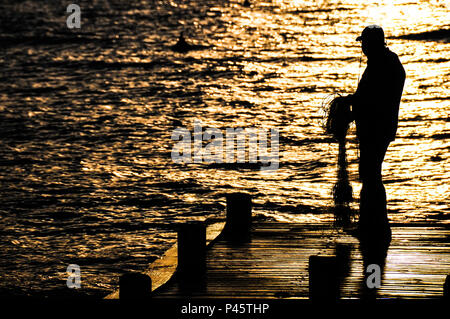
447,287
343,253
239,216
191,250
134,285
323,278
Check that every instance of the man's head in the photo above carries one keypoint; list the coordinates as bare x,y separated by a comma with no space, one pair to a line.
372,40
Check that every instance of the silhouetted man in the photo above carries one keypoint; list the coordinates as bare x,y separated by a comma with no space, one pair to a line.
375,106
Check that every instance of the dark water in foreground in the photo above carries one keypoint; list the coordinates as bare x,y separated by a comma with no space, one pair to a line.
86,118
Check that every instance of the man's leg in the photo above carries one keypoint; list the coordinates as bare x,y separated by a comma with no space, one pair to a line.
373,211
374,230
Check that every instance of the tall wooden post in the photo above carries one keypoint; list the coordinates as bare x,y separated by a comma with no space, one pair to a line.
191,250
239,217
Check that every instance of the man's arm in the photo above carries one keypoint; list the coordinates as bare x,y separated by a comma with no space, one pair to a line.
354,100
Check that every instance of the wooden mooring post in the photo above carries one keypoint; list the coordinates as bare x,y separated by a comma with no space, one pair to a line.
323,278
192,236
447,287
134,286
239,217
191,250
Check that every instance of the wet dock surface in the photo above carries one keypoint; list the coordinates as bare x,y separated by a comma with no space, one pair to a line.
274,263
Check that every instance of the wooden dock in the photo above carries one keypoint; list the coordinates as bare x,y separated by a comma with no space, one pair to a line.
274,263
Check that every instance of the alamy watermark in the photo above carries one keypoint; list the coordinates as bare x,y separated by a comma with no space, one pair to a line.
374,278
74,279
74,19
233,145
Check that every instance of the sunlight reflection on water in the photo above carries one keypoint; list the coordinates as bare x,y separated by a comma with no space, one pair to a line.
87,174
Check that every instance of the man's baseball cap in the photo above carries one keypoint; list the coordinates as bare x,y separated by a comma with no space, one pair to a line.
372,33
